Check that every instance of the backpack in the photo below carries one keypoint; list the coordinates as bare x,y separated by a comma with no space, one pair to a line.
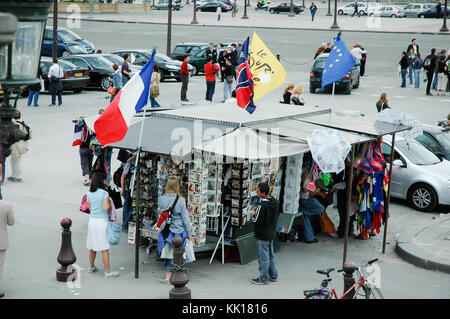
117,176
163,222
427,61
27,128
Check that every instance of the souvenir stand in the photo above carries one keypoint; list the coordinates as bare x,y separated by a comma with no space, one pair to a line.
189,143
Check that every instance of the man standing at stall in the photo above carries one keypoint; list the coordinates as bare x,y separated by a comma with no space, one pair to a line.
126,191
265,218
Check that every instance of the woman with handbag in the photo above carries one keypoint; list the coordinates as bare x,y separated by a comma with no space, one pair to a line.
229,75
179,224
154,86
99,205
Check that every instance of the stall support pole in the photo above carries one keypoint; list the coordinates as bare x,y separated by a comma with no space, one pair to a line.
349,204
138,225
387,201
221,238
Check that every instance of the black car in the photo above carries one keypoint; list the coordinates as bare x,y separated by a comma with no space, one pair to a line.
100,69
164,5
286,7
432,13
213,6
351,80
436,139
117,59
168,68
184,49
75,79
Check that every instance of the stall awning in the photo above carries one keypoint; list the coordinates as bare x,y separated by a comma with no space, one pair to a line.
246,143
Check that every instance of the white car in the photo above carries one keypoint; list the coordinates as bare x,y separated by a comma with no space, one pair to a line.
350,8
412,9
388,11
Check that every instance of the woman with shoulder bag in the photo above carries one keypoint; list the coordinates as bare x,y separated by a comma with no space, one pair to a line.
229,75
382,103
180,224
154,86
99,204
442,76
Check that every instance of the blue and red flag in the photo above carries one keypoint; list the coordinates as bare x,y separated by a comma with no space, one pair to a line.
244,86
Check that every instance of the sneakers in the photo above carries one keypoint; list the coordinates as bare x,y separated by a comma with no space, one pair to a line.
92,268
311,241
258,281
272,279
14,179
111,274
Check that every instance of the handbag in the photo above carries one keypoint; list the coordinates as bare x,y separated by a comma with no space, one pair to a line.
115,196
326,223
229,79
154,91
163,222
189,254
113,233
111,90
84,207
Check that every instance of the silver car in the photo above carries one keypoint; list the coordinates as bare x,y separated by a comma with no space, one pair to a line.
412,9
418,175
388,11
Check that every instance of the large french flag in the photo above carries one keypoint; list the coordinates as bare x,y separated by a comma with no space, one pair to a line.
112,125
244,85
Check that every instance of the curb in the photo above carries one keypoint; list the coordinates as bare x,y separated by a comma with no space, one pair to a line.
259,27
409,251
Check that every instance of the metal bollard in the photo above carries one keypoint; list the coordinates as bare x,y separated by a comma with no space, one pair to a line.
349,269
179,277
66,255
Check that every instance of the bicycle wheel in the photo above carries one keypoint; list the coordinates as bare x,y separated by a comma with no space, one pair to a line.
373,293
317,295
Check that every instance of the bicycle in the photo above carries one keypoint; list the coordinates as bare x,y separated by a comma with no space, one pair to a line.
368,290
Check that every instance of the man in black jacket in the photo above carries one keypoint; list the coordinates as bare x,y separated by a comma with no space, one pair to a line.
429,65
413,46
211,52
265,218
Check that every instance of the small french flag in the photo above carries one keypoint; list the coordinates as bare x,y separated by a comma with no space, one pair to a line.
77,135
112,125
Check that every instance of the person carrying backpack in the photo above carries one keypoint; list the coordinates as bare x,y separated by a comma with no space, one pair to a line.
18,149
429,65
417,66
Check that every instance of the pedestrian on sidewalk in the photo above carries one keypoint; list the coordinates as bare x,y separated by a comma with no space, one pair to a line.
442,74
154,86
126,73
116,81
210,74
358,52
417,66
356,10
411,58
436,76
265,217
35,90
125,182
403,68
184,73
211,52
99,204
230,75
313,10
234,9
6,219
86,153
180,224
429,65
55,74
413,46
18,149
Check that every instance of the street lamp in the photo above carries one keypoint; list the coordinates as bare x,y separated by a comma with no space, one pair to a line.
169,28
329,8
19,59
245,16
335,25
444,25
291,11
194,20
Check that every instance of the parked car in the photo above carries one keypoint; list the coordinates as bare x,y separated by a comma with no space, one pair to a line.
164,5
198,60
350,8
371,6
388,11
117,59
168,68
351,80
100,68
227,2
436,139
432,13
75,78
413,9
418,175
183,49
66,42
213,6
286,7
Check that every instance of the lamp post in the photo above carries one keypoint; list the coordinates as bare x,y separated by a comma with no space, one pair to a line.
335,25
444,25
291,11
245,16
169,28
19,58
329,8
194,20
55,31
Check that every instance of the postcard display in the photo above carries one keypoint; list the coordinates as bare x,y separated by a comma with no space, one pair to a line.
292,184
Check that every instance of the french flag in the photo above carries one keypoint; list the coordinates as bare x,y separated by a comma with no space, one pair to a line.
244,83
77,135
112,125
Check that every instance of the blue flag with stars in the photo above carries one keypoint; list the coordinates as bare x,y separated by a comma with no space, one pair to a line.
340,61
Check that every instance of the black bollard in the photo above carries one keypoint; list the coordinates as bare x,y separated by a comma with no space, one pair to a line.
349,269
179,277
66,255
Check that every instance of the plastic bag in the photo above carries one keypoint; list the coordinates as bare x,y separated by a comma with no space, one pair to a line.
189,252
113,233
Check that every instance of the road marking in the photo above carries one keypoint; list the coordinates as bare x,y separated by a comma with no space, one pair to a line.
399,96
356,93
387,87
423,98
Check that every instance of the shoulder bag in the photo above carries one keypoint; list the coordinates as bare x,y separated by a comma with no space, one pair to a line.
163,222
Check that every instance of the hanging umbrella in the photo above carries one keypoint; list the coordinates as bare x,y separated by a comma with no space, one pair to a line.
403,118
329,150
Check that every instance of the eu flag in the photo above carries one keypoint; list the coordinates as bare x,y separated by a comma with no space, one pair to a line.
340,61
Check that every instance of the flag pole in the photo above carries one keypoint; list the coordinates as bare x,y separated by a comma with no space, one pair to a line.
332,101
139,152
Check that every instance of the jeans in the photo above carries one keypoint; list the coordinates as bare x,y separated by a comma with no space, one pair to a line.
266,260
153,102
403,74
107,157
210,87
127,208
31,95
56,92
435,82
313,13
227,90
184,86
86,158
416,78
310,207
410,74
